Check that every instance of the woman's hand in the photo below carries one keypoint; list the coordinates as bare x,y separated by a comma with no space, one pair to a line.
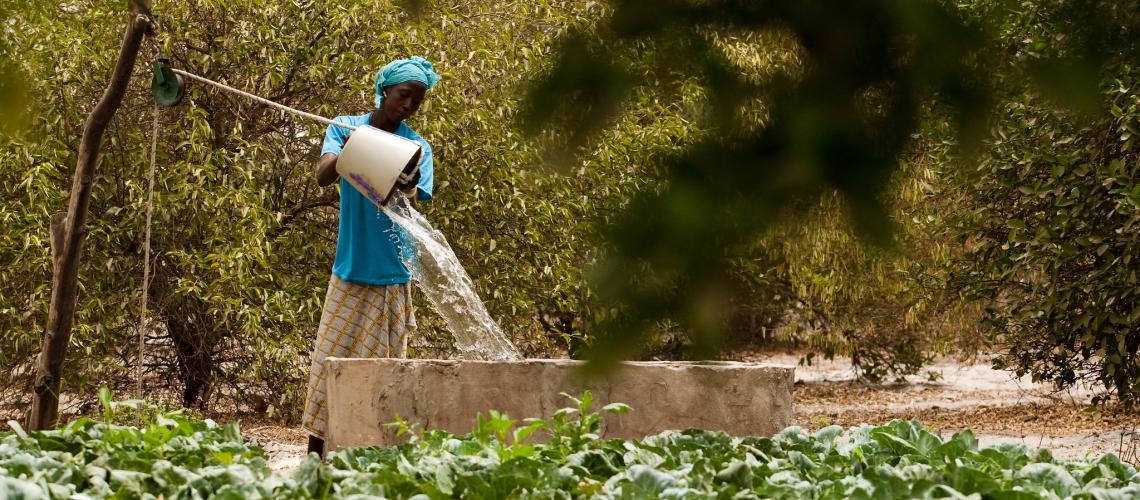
407,182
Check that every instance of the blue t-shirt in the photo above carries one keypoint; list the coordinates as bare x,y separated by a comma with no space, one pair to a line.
368,244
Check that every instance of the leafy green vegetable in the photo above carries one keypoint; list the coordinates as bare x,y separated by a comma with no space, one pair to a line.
172,456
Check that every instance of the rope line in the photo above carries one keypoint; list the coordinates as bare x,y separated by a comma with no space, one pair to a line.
264,101
142,328
143,325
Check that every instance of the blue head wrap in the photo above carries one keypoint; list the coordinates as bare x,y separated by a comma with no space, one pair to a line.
402,70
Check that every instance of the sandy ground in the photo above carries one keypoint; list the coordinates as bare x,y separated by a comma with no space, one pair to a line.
948,396
285,446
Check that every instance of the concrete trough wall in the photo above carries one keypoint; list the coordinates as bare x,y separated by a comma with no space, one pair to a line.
738,398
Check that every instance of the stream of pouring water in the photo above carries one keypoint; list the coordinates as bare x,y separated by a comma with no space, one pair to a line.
446,285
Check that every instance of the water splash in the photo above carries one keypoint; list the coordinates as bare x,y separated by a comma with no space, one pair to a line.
447,286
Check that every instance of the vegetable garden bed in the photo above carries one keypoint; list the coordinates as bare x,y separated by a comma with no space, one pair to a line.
169,455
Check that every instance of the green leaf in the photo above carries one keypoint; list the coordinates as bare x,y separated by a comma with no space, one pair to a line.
617,408
1050,477
17,428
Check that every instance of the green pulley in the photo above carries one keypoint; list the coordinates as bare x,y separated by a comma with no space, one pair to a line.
167,86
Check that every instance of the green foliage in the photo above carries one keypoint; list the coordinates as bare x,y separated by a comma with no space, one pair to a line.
169,455
721,150
1051,216
835,121
13,93
243,239
888,309
172,456
839,121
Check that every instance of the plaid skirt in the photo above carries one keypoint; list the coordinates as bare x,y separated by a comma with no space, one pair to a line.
359,321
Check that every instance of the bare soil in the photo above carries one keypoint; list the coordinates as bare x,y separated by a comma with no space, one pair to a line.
285,446
951,396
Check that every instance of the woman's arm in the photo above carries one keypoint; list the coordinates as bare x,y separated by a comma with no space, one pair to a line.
326,170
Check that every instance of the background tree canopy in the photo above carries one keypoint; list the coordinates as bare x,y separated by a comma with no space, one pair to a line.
870,78
709,156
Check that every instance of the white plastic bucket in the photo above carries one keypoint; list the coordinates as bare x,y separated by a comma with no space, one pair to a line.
372,160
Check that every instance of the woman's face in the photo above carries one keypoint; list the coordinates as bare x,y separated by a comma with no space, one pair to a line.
402,100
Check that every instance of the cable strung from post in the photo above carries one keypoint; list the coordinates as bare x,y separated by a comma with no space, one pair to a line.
143,323
264,101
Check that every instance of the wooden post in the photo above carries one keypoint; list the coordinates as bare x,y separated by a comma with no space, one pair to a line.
68,230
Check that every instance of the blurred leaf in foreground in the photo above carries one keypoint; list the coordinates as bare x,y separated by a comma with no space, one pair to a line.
838,121
13,94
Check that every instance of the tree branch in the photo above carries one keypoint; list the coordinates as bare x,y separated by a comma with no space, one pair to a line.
68,233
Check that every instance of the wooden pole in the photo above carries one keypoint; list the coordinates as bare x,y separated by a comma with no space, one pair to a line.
67,233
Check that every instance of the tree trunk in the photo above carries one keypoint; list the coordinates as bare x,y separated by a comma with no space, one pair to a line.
68,233
194,344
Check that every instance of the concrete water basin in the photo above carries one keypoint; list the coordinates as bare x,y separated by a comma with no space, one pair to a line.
737,398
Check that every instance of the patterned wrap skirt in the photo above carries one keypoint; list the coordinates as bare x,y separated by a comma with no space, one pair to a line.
359,321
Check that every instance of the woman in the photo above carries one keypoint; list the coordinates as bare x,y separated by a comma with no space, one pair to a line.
368,309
